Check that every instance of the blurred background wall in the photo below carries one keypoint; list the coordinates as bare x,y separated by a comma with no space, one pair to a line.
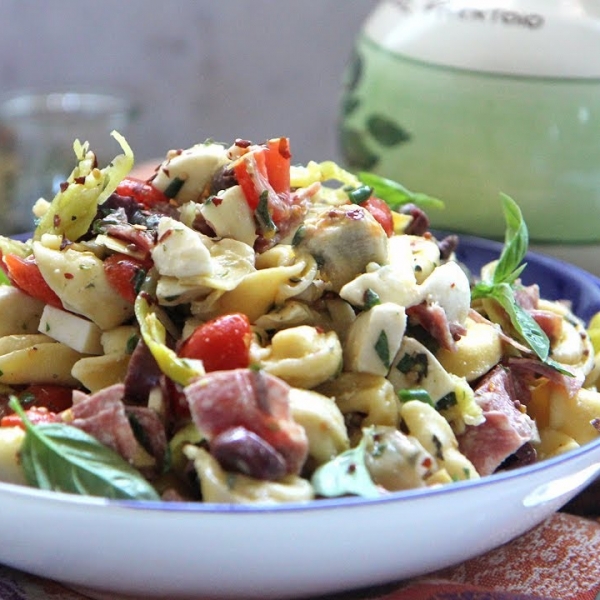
197,68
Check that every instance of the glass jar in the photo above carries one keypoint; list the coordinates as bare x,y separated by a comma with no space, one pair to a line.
465,100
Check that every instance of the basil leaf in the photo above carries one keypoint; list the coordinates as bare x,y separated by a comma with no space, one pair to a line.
522,321
3,278
419,394
395,194
371,299
516,241
382,347
263,215
346,474
60,457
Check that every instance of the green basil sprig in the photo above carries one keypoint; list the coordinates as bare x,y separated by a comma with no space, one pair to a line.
395,194
60,457
508,269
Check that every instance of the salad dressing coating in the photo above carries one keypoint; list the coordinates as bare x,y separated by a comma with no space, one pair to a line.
240,329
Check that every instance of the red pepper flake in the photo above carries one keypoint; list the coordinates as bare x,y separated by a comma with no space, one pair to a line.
69,275
243,143
427,462
351,469
64,185
56,221
80,180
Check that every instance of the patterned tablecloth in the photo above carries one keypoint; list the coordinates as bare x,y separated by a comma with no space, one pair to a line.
558,560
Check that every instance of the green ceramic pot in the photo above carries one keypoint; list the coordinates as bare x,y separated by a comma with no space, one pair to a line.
466,102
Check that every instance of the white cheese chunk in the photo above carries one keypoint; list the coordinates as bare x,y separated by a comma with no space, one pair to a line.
73,331
230,216
374,339
20,312
191,170
180,251
449,287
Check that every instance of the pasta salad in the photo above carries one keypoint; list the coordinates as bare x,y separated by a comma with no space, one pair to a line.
240,329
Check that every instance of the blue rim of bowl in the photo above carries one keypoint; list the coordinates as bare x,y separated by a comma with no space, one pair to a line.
474,252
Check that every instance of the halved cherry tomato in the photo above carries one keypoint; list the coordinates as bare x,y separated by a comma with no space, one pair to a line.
141,191
263,168
35,414
223,343
125,274
248,169
25,274
55,398
381,212
277,162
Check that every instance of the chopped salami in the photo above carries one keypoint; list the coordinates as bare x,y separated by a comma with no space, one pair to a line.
103,416
433,319
505,429
258,402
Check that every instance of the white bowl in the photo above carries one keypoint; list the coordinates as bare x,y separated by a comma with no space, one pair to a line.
118,549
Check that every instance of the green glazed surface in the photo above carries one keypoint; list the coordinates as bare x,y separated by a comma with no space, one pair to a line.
466,137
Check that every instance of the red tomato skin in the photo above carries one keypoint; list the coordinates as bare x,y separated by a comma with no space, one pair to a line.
35,414
25,274
222,343
141,191
382,213
123,273
55,398
277,162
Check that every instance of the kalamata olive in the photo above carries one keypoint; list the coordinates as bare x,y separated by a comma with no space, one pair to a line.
447,246
420,221
223,179
239,449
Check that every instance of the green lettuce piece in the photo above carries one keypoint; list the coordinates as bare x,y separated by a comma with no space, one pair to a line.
74,207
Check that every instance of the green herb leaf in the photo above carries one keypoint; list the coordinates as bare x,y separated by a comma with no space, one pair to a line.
263,215
371,299
415,394
395,194
516,241
346,474
360,194
382,347
59,457
507,271
522,321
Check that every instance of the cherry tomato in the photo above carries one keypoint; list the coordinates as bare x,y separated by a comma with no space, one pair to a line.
25,274
125,274
55,398
271,167
141,191
223,343
381,212
277,162
35,414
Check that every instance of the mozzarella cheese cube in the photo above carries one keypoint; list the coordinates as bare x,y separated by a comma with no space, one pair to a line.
230,216
375,338
180,251
73,331
191,170
20,313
